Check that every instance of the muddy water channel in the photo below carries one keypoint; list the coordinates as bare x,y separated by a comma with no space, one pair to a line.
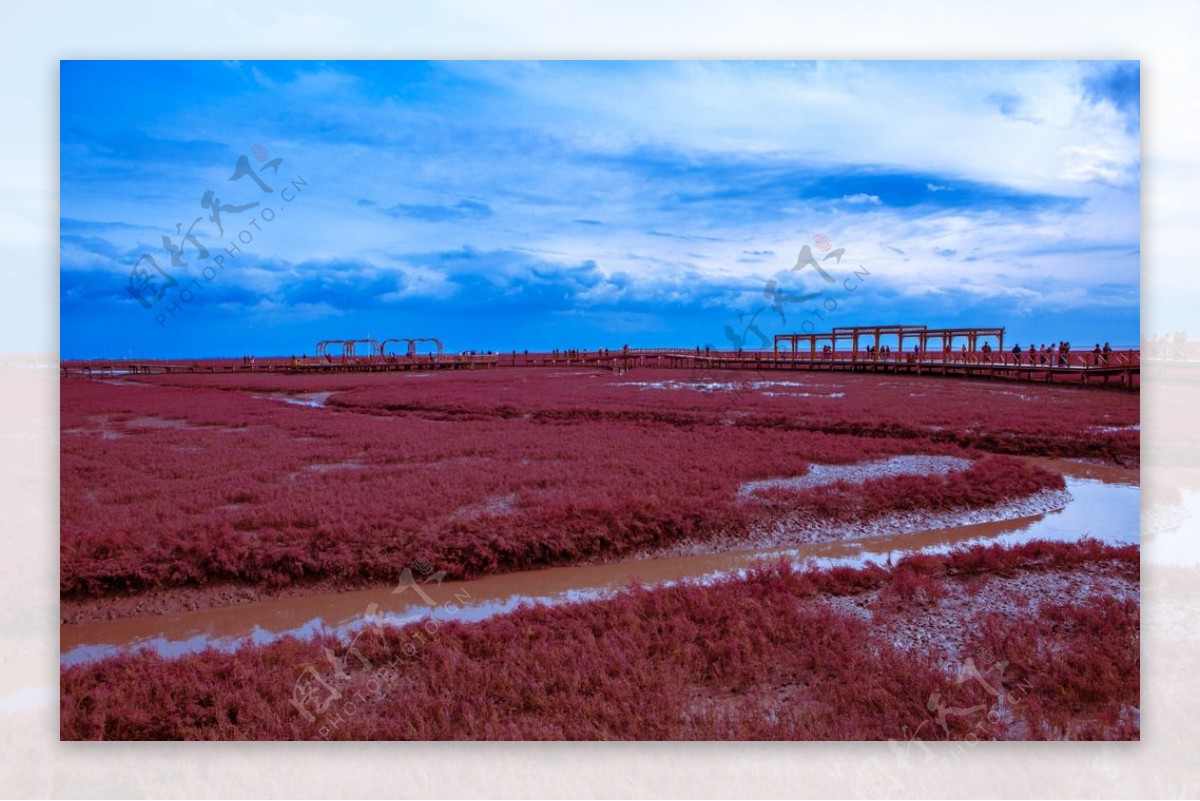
1104,505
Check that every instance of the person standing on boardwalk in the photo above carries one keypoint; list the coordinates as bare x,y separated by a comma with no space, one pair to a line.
1096,354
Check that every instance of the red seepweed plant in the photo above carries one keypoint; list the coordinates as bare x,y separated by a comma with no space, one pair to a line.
204,480
763,656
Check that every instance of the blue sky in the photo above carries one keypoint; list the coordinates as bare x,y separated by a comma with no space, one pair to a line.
502,205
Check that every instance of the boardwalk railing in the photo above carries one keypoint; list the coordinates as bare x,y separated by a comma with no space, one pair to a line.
1120,367
329,364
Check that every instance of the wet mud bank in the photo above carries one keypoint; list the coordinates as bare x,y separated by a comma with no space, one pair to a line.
1100,503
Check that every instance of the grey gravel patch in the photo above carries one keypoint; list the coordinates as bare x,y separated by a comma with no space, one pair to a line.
494,505
938,627
820,475
792,530
796,531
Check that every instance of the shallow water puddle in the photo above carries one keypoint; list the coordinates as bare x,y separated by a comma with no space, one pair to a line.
313,400
737,386
1105,506
1169,513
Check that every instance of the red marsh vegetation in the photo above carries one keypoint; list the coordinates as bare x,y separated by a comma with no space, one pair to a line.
899,653
199,480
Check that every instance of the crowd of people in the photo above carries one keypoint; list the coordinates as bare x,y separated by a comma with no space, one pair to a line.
1059,355
1051,355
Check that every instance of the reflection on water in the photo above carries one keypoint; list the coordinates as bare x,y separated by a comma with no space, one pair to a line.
1168,513
1105,506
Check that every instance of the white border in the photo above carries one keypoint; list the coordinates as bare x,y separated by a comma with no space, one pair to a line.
34,763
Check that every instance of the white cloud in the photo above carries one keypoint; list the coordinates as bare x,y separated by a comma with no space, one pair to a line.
831,113
589,150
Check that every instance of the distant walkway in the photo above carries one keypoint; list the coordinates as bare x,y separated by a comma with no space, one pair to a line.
1120,368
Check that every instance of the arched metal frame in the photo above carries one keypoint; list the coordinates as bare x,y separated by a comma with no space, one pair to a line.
377,349
409,351
351,347
324,345
924,336
434,340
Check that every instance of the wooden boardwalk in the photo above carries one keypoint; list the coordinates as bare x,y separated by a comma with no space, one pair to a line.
116,368
841,350
1123,367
